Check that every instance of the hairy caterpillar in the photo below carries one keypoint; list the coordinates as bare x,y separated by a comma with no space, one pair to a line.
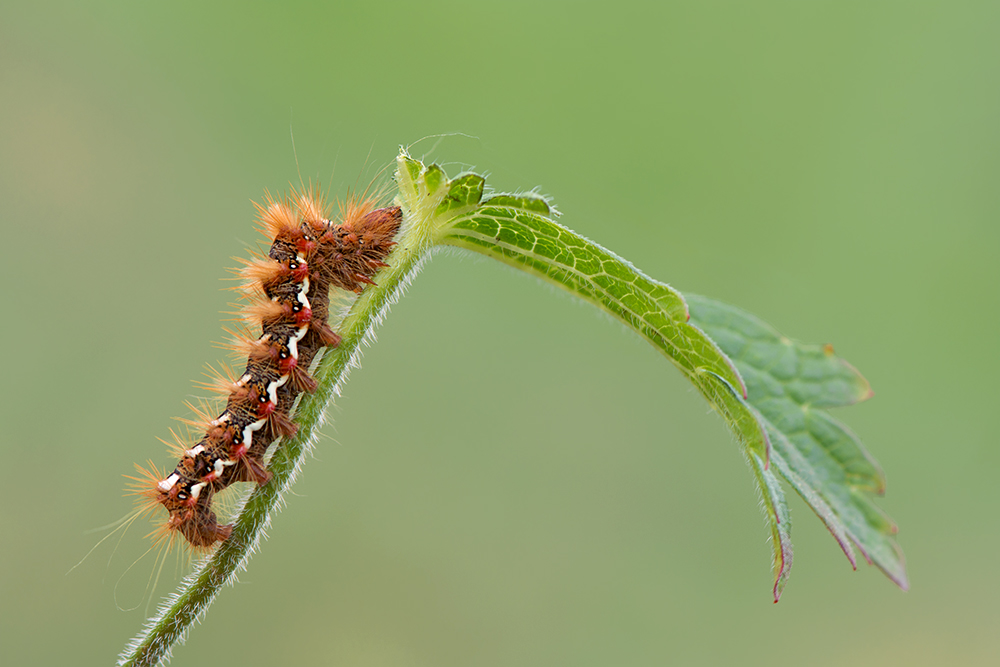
288,298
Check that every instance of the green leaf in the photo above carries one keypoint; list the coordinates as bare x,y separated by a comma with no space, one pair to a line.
520,230
789,383
771,397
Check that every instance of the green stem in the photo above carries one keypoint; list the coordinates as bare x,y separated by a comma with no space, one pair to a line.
182,609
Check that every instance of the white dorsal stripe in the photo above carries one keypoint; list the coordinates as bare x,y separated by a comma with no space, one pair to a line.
272,389
168,483
249,431
303,299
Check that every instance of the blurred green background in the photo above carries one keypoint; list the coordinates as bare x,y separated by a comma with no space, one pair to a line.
511,478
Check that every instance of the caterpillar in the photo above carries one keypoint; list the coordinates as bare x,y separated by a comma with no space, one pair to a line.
287,297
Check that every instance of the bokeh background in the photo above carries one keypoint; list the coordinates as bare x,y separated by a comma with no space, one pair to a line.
511,478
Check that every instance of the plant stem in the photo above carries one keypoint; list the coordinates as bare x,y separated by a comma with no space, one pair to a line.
184,607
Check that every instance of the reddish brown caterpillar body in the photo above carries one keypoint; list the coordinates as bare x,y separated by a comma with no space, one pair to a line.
290,302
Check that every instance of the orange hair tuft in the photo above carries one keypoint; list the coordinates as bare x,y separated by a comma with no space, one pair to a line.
143,486
241,344
259,272
178,445
353,211
203,419
259,310
221,381
276,217
312,206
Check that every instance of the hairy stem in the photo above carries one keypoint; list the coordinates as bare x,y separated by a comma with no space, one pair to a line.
183,608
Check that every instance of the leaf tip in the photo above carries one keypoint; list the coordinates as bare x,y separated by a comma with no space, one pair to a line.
864,389
899,576
779,586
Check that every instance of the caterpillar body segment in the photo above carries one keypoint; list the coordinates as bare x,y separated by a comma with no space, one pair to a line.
289,304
